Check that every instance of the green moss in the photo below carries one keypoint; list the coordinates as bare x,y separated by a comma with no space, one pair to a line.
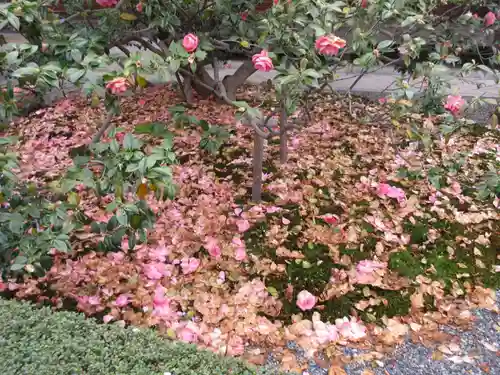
406,264
398,304
341,306
419,231
329,208
313,272
255,240
355,253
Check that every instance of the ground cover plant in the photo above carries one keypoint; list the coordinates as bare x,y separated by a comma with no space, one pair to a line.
258,215
43,342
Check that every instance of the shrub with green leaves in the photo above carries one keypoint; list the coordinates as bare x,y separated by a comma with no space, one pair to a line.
114,168
34,220
41,342
30,224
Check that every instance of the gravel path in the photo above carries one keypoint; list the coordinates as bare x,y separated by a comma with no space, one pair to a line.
479,355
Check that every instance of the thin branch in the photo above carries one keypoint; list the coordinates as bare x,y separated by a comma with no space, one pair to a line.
283,135
150,46
223,96
182,86
105,125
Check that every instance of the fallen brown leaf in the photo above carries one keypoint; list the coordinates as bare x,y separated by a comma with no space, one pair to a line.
336,370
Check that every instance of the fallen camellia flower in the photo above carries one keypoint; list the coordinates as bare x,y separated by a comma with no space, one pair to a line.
350,329
189,265
213,248
330,219
365,271
454,104
305,300
391,192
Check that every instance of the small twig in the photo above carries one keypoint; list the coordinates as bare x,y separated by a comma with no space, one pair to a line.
182,88
150,46
363,72
105,125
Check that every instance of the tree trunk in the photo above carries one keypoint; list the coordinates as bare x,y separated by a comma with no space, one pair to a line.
283,135
232,82
105,125
258,156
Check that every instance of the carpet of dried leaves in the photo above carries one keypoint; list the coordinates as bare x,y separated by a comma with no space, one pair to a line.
393,255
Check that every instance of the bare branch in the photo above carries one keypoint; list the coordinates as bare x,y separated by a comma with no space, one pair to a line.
183,87
258,158
150,46
105,125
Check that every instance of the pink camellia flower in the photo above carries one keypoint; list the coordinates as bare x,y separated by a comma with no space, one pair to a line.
107,3
141,102
221,278
107,318
159,253
243,225
368,266
161,304
155,271
188,332
489,19
122,300
139,7
272,209
240,254
261,61
276,2
238,242
329,44
325,332
330,219
454,104
189,265
364,4
190,42
352,329
382,100
391,192
94,300
212,246
235,346
365,271
118,85
120,136
244,15
305,300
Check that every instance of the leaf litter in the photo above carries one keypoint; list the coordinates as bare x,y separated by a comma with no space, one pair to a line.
388,247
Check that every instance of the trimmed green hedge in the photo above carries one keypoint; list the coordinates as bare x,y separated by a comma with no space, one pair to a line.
37,341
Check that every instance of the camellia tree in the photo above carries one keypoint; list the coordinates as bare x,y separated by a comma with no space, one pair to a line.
114,48
305,41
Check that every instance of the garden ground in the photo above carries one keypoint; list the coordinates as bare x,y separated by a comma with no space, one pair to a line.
373,226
